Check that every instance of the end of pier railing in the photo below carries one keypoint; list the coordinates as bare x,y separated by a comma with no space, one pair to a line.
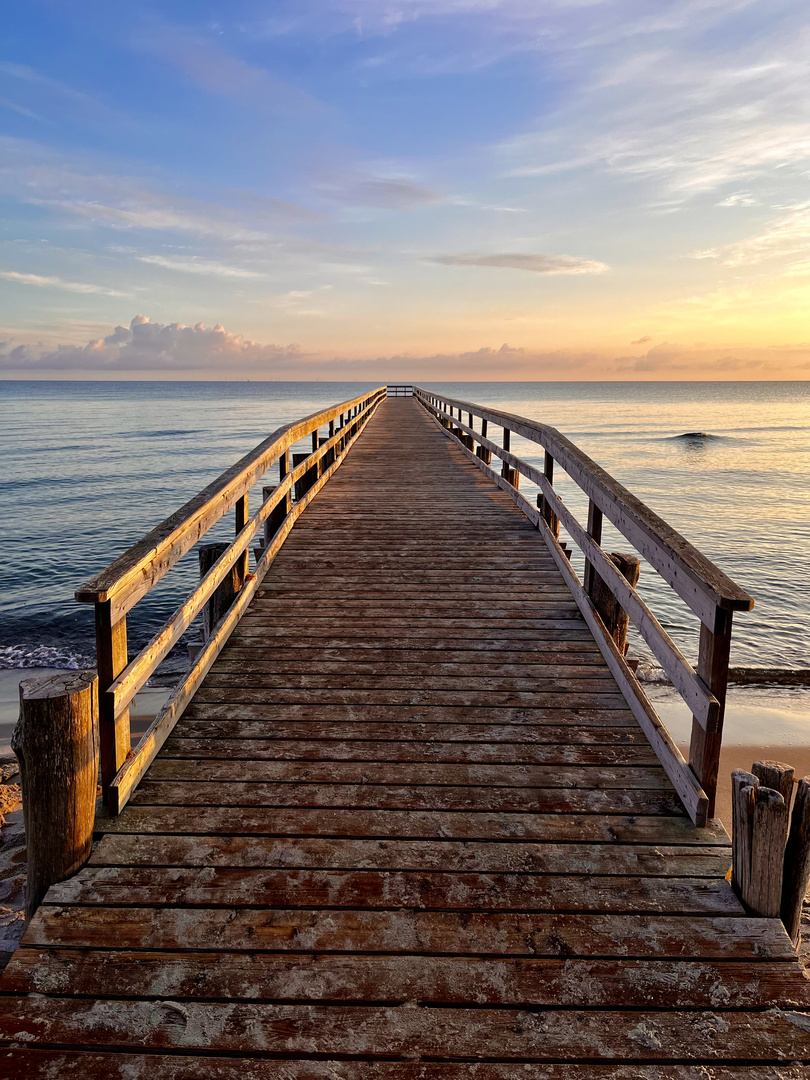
711,595
400,390
226,587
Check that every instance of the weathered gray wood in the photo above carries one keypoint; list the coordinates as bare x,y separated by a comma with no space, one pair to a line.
797,862
768,837
776,775
610,610
704,747
743,785
113,722
56,743
225,594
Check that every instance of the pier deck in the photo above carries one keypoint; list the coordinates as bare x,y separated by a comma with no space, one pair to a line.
407,828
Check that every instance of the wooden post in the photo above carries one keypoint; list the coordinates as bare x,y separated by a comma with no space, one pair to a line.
56,743
610,610
712,667
773,774
759,832
549,516
225,593
796,875
240,521
510,475
111,659
768,839
743,785
595,532
274,521
484,452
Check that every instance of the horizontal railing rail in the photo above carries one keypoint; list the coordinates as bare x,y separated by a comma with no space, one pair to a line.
710,594
400,390
117,589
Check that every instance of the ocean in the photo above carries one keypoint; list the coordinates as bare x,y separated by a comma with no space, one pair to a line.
89,467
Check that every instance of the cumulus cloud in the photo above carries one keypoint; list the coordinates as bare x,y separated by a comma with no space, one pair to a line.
159,350
46,282
155,347
536,264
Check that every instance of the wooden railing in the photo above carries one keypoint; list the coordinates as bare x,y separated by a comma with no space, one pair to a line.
400,390
116,590
711,595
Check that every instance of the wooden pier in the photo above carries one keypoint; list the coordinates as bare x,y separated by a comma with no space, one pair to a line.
410,816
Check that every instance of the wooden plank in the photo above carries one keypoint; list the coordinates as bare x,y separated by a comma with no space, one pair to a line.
405,824
659,860
567,983
602,777
373,1031
392,797
417,697
71,1065
411,932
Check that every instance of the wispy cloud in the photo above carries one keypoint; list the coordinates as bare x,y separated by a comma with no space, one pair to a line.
536,264
46,282
787,236
193,264
378,192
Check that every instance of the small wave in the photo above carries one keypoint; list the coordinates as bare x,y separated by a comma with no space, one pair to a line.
43,656
652,674
696,436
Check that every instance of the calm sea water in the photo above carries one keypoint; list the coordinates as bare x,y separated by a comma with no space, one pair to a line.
89,467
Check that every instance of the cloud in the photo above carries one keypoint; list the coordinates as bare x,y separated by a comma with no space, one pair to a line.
43,282
739,198
536,264
784,237
155,347
193,264
219,72
641,340
379,192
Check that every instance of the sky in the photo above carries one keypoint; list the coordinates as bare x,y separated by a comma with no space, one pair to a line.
413,189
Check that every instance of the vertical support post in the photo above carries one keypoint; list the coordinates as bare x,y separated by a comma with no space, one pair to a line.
595,532
241,515
712,667
549,516
56,742
797,862
111,659
510,475
225,593
484,452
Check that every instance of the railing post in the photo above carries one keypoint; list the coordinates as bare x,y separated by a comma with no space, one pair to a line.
712,667
595,532
240,521
484,452
226,592
56,742
111,659
510,475
549,516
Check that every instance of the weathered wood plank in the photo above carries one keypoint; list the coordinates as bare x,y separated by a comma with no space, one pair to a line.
569,983
332,853
411,932
404,824
450,1034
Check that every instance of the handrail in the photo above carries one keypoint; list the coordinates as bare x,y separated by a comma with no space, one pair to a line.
711,595
118,588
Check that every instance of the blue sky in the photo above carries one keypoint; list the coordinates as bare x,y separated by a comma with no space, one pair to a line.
613,188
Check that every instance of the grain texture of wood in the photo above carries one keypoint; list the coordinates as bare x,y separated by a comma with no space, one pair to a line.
408,826
56,743
797,862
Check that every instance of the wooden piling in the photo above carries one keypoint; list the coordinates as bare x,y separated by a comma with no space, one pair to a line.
759,833
796,876
743,785
776,775
226,593
56,743
610,611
